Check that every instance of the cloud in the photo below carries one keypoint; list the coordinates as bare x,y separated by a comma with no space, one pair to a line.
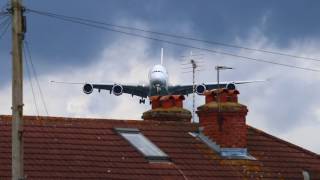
284,106
305,136
287,106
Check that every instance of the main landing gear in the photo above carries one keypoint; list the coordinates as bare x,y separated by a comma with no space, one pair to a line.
142,101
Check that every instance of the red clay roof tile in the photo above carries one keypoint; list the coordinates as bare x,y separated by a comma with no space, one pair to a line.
61,148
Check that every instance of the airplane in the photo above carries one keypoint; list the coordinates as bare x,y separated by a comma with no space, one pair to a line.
158,85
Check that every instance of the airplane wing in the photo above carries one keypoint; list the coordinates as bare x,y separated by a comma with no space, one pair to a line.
200,88
117,89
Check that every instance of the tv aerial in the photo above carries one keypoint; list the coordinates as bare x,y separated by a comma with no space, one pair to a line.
193,66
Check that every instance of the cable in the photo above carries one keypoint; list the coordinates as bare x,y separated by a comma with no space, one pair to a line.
178,36
6,5
31,83
4,22
7,21
182,45
36,78
3,14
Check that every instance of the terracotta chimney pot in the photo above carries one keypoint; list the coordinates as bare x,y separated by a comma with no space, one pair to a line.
167,108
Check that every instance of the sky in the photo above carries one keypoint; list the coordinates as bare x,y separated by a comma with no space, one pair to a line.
286,106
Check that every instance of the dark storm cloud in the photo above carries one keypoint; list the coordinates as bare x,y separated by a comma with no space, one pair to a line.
55,44
71,44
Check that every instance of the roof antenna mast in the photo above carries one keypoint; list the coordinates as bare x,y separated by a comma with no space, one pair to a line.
161,56
218,69
194,66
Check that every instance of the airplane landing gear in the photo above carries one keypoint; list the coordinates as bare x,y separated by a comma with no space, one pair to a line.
142,101
158,89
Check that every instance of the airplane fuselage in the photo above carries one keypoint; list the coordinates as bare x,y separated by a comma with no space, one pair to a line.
158,80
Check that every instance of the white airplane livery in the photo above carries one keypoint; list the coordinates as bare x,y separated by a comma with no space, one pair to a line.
158,85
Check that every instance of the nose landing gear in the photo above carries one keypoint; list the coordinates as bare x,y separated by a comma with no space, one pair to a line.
158,88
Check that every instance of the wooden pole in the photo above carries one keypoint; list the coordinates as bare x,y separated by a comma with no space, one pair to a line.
17,91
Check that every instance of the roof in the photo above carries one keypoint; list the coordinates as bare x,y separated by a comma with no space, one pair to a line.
78,148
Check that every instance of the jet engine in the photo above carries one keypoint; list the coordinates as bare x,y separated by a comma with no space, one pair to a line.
87,88
231,86
200,89
117,89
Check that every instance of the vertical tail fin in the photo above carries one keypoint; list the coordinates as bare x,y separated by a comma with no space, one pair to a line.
161,56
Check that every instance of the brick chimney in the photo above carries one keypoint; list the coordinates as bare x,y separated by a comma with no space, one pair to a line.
167,108
224,121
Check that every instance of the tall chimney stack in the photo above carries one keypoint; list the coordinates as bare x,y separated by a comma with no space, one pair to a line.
223,120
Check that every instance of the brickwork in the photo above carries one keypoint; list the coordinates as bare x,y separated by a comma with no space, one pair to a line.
224,122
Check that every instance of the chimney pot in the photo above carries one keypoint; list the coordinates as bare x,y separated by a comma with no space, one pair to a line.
167,108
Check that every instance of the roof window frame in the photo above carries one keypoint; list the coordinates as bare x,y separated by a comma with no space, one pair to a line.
152,158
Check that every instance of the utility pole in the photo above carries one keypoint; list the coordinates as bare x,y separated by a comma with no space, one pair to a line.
17,90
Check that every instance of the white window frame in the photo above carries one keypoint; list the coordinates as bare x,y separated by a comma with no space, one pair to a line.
159,156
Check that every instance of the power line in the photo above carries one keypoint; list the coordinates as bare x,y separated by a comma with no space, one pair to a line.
6,19
7,22
6,5
31,83
3,11
177,36
36,77
3,14
177,44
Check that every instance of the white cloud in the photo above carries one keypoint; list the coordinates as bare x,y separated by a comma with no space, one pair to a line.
287,106
305,136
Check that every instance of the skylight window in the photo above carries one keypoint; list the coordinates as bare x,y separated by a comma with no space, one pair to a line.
142,144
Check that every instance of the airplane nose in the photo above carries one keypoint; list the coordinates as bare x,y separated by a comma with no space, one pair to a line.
157,81
157,78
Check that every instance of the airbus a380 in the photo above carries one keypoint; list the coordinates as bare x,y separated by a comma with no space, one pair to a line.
158,85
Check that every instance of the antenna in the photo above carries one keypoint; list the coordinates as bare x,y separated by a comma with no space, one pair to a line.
218,68
161,56
194,66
